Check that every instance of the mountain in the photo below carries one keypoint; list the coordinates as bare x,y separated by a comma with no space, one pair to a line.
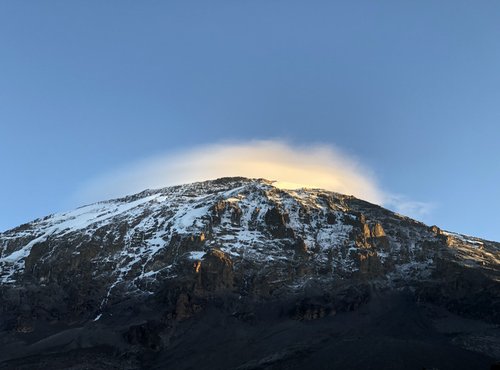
235,273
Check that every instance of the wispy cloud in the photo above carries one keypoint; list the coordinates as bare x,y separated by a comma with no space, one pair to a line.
401,204
292,166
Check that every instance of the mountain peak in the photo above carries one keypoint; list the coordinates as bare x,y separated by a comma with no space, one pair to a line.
234,237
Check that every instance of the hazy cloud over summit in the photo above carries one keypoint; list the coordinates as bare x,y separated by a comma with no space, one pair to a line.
291,166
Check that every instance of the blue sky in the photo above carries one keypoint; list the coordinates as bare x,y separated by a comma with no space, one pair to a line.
409,89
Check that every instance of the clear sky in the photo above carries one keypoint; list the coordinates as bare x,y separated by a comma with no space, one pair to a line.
411,89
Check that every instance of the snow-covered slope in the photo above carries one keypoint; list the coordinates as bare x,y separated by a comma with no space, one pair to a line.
284,238
245,218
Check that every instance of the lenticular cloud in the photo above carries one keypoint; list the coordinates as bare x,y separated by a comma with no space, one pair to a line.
316,166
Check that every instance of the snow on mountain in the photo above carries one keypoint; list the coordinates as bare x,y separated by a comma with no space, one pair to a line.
247,219
128,273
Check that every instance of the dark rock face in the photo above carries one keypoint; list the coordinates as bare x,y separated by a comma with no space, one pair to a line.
329,303
465,291
277,224
129,282
215,272
146,335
